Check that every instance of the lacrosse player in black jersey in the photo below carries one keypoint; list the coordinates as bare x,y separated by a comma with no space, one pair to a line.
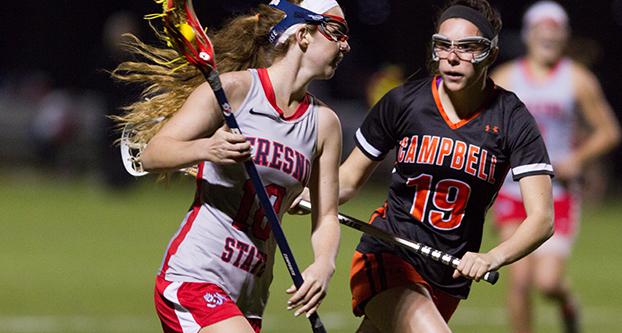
456,135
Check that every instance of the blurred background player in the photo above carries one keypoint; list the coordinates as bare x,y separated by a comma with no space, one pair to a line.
217,269
559,93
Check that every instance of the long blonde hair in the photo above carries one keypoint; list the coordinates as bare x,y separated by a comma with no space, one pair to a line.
168,79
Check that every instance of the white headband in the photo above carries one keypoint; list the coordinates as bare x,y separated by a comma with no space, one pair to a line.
545,10
316,6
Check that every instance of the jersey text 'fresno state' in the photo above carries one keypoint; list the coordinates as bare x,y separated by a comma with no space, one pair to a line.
275,155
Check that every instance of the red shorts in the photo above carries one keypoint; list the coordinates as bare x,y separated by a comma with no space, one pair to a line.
509,209
372,273
185,307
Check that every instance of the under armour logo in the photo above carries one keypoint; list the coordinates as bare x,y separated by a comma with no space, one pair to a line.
491,129
214,299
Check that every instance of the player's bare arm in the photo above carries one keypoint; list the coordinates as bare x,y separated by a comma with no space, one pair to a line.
354,173
191,135
604,130
534,230
325,233
536,192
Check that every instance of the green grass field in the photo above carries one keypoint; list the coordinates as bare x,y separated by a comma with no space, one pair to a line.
77,258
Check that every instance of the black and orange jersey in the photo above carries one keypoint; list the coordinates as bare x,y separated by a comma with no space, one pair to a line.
446,175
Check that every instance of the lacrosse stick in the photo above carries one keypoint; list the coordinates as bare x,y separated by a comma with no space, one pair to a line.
418,248
131,149
130,152
188,38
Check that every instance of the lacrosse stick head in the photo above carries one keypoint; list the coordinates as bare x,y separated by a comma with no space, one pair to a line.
186,35
130,152
132,148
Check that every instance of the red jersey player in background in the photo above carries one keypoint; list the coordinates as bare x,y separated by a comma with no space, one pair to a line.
559,93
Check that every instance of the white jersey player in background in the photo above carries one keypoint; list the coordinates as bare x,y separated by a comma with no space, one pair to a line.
558,92
217,268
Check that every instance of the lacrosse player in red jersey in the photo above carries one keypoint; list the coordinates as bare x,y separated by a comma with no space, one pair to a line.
456,136
217,268
558,92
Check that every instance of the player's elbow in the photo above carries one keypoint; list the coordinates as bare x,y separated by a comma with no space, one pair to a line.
149,158
346,193
615,136
153,157
544,218
349,185
550,230
611,134
548,224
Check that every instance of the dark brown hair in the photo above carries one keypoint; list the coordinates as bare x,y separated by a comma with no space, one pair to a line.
481,6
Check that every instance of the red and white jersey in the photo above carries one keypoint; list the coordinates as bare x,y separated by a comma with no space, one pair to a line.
225,238
552,103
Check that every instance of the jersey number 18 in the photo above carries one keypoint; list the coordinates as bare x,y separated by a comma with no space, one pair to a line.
260,227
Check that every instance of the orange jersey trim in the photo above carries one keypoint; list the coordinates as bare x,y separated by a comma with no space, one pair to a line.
441,110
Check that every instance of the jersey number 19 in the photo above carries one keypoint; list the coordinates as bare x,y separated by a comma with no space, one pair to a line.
449,197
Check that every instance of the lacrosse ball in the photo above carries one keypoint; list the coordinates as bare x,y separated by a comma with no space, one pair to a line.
187,31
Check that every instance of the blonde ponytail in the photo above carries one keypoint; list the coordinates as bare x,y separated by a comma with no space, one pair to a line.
168,79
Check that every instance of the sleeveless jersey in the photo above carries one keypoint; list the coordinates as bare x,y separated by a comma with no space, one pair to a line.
446,175
552,103
225,238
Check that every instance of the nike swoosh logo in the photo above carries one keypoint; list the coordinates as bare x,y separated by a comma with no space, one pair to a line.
253,112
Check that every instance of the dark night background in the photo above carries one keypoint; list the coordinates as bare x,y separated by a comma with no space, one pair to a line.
64,39
81,239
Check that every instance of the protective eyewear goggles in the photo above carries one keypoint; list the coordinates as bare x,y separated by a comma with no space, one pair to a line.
334,28
473,49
